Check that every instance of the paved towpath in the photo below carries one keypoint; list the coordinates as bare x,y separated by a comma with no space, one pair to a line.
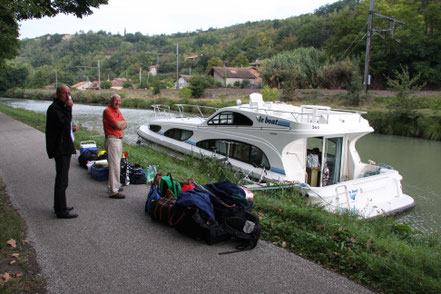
112,247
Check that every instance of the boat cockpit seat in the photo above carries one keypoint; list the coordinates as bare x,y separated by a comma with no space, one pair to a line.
256,100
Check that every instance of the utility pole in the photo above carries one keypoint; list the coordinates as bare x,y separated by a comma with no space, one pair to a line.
56,79
99,76
140,75
99,73
370,33
177,66
368,47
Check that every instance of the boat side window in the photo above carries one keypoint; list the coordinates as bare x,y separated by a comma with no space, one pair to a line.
178,134
155,128
237,150
230,118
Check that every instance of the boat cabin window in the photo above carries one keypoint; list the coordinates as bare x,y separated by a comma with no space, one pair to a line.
323,161
230,118
237,150
178,134
155,128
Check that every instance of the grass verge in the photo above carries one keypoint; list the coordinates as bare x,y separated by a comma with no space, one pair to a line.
381,254
19,270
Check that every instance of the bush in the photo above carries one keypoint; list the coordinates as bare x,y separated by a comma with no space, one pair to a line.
269,93
106,85
245,84
199,83
127,84
156,87
184,93
336,76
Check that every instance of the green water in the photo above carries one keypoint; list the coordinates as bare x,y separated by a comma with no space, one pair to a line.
419,162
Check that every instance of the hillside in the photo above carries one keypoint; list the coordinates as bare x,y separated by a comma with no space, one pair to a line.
337,29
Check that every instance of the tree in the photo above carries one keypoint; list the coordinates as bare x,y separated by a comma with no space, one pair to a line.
13,76
12,12
240,61
214,61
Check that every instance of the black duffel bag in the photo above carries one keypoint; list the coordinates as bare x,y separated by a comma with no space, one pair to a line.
245,228
137,175
196,227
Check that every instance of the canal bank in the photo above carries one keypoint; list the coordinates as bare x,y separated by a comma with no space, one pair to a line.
415,159
363,250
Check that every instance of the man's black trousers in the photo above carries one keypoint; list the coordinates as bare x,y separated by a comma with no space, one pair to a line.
62,164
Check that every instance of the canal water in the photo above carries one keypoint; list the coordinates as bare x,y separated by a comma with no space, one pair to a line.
417,160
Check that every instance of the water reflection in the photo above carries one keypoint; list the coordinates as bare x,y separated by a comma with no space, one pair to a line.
417,160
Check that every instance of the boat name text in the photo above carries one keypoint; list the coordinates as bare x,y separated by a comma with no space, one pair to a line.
267,120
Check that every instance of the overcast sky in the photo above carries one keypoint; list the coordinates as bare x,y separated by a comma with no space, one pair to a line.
168,17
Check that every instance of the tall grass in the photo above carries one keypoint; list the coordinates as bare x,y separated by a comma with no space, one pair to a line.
381,254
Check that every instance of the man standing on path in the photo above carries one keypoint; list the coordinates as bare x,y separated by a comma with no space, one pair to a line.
114,124
60,146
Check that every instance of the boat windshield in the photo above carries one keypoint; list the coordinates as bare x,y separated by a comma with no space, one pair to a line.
230,118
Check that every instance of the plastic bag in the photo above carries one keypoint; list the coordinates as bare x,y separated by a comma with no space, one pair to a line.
150,172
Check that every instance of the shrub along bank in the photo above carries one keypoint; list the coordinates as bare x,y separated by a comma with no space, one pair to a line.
381,254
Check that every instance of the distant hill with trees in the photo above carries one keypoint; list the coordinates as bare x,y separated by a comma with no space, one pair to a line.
323,49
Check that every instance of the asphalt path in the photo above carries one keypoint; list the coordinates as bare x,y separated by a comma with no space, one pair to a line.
113,247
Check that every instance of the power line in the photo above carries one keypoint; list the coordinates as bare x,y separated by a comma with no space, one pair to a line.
356,37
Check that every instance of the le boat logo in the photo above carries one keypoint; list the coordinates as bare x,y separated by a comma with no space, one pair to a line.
266,120
353,193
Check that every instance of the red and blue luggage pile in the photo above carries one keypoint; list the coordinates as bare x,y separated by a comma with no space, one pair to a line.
213,213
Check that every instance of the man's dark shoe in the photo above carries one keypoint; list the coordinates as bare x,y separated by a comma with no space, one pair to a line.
69,208
117,196
120,189
67,214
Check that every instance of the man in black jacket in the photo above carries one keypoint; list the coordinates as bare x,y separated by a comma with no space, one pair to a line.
60,146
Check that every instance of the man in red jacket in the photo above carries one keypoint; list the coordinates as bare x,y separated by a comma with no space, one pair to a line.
114,124
60,146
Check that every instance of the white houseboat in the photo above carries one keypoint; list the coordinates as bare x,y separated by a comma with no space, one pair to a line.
312,147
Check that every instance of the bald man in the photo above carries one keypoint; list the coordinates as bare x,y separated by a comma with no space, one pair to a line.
60,146
114,124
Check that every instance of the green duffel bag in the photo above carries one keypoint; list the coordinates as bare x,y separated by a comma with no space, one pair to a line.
169,187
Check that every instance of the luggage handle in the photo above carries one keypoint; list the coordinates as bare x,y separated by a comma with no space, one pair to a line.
87,141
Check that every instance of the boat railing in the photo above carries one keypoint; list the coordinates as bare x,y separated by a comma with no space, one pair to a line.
199,108
165,110
308,113
161,110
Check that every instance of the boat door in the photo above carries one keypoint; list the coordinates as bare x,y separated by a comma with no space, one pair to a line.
332,158
328,151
